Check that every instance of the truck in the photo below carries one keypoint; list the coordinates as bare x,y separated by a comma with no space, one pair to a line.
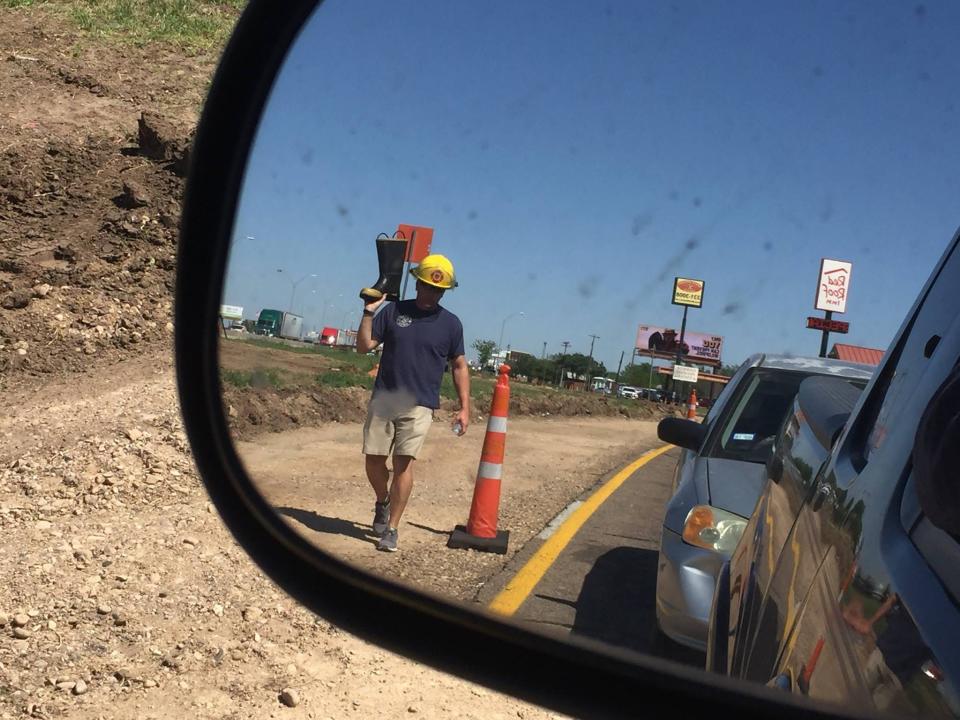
335,337
278,323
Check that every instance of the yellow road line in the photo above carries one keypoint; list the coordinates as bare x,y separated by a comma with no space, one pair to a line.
523,583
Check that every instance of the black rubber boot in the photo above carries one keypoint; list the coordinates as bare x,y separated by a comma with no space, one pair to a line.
391,253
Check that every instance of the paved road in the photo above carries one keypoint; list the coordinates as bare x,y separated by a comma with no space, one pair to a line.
602,584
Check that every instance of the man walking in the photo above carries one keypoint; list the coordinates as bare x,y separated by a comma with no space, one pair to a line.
419,337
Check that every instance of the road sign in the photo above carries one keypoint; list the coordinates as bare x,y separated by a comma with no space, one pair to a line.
684,373
422,239
833,286
835,326
231,312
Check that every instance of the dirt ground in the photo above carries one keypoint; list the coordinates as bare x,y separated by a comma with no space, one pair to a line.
124,596
315,479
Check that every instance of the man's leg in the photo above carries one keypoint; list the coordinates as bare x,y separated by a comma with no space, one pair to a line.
400,488
378,475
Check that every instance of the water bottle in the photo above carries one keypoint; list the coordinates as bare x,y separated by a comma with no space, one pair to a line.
457,428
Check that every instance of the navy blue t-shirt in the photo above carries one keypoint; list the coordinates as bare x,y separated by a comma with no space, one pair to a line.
416,346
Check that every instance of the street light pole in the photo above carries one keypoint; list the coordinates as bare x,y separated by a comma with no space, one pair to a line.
502,326
293,286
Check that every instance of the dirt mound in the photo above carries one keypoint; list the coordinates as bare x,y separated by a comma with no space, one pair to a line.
95,146
252,411
81,275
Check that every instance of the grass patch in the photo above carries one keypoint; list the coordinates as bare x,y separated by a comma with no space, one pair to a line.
186,23
282,346
338,357
259,378
344,380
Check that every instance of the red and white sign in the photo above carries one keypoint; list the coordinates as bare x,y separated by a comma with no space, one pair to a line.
834,285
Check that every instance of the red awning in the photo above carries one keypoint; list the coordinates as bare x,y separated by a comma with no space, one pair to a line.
857,354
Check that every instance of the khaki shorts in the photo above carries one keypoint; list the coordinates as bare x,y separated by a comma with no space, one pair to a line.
389,431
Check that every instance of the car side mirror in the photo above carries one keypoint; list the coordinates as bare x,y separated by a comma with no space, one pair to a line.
682,433
574,675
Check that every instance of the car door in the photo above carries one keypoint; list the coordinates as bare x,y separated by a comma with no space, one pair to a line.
842,605
798,456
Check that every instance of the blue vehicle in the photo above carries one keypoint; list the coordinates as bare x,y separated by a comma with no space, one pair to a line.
845,585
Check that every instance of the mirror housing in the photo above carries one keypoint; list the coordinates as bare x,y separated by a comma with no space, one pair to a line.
683,433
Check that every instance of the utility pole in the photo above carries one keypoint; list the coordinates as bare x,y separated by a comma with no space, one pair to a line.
593,338
565,344
616,383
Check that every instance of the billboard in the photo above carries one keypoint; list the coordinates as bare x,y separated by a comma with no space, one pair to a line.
662,342
833,285
687,291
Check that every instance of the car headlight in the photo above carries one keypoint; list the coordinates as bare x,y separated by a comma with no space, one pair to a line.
713,529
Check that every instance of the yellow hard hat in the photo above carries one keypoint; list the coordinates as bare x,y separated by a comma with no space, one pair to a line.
435,270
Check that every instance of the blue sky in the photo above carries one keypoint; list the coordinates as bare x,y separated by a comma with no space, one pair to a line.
573,158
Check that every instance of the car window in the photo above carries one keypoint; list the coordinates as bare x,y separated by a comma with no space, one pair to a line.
720,402
757,413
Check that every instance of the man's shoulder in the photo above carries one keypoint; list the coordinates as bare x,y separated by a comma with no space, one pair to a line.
449,316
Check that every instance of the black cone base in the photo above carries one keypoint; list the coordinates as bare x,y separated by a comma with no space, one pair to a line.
460,539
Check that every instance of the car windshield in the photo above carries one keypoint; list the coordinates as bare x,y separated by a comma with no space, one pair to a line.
748,431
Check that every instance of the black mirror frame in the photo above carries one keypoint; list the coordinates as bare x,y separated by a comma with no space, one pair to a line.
577,677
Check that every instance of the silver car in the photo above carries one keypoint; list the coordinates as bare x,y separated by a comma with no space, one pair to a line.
719,477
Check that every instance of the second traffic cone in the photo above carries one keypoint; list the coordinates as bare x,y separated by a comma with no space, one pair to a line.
481,531
692,405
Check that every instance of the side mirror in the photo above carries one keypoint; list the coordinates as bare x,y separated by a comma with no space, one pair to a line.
575,675
682,433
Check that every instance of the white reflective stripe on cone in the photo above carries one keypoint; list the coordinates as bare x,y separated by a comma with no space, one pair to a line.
497,424
490,471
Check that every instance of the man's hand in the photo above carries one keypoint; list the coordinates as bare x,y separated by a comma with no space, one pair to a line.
462,417
365,341
372,306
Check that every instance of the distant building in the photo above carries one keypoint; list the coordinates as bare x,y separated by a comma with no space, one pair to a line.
855,353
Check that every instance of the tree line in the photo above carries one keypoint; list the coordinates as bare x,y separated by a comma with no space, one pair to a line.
548,369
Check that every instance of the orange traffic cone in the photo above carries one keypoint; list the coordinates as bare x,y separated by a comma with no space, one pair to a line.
806,672
481,532
692,405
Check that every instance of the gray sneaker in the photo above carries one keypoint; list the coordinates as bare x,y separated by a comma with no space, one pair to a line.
381,517
388,541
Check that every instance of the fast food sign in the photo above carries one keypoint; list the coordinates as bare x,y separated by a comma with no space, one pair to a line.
834,285
687,291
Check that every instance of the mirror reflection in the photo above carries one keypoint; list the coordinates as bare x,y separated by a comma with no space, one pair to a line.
521,302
